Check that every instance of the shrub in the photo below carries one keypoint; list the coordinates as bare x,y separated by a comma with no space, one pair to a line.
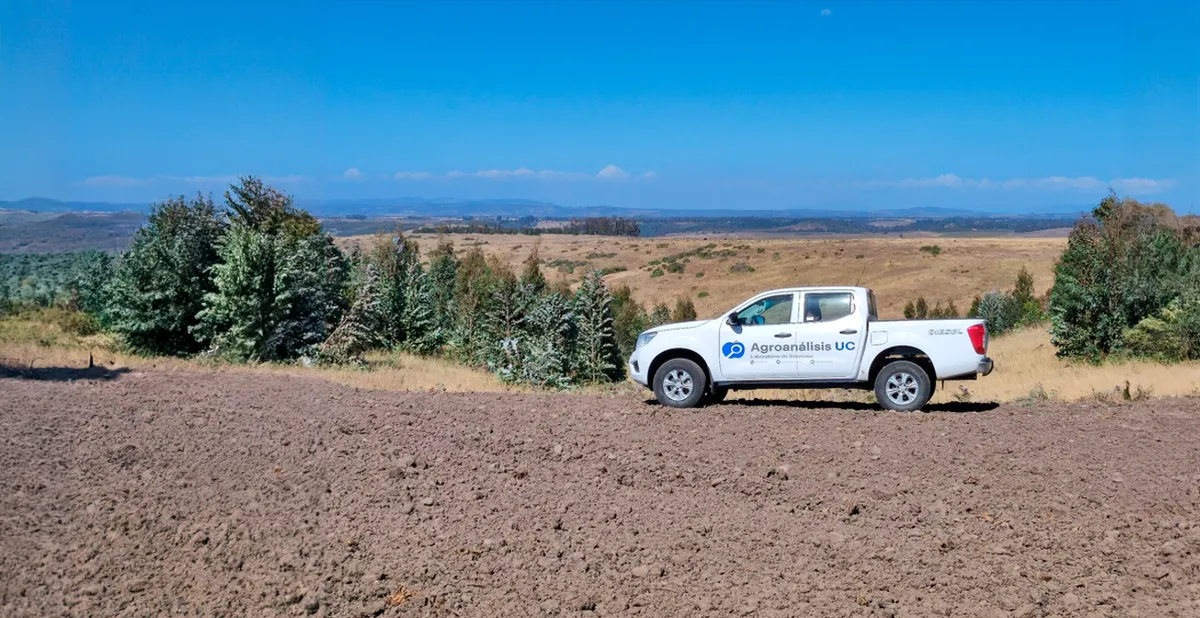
658,272
1001,311
1121,266
675,267
685,310
702,295
921,310
741,267
931,249
629,319
661,314
1171,336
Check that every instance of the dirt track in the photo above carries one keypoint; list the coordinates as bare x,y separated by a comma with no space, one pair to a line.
238,494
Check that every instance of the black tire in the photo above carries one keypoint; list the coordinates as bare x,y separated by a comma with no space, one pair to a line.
909,384
680,383
717,394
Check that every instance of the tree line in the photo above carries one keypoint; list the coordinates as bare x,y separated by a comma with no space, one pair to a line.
587,226
257,279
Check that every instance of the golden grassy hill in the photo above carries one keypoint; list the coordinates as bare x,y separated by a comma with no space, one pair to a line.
896,268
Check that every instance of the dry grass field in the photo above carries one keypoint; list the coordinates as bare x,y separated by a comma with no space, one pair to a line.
897,269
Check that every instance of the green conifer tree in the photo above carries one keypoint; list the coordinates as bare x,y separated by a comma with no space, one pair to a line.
158,287
423,333
597,356
360,328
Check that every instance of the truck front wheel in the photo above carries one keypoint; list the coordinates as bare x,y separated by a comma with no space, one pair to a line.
679,383
903,386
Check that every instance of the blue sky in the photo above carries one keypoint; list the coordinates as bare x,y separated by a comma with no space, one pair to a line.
1020,105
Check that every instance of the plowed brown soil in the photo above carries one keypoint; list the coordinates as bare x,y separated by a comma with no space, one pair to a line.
233,494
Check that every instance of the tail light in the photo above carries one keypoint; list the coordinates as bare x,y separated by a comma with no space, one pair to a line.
978,334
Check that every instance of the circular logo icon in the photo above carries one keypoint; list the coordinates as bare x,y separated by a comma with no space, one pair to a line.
733,349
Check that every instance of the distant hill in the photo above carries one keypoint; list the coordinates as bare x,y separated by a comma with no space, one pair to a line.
454,207
17,217
45,204
71,232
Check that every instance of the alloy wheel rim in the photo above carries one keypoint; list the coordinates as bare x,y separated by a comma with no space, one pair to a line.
902,388
678,385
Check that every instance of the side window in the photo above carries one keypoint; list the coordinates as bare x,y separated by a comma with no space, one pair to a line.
769,310
872,310
827,307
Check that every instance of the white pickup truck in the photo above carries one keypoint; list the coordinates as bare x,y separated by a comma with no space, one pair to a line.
813,337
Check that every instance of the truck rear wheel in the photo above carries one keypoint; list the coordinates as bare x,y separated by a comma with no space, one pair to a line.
903,386
680,383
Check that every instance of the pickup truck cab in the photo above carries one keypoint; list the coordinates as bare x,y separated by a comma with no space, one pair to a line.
811,337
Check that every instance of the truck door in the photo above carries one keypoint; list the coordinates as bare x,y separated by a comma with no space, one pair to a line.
830,336
762,343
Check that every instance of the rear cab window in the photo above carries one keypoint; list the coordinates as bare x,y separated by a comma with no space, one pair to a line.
827,306
872,312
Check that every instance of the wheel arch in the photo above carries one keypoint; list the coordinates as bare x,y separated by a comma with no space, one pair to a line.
902,352
674,353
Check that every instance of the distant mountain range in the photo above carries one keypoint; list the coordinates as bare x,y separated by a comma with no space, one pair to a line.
452,207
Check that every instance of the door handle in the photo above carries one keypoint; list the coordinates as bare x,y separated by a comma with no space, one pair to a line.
849,331
782,335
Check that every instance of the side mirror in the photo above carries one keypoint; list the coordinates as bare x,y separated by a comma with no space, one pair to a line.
731,319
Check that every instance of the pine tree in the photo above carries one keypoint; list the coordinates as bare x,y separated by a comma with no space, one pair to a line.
423,333
158,287
506,327
546,354
394,256
443,270
532,274
474,296
258,206
360,328
276,296
597,356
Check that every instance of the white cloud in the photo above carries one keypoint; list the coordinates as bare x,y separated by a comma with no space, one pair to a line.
827,13
1142,185
1052,183
944,180
352,174
222,179
205,180
612,172
113,181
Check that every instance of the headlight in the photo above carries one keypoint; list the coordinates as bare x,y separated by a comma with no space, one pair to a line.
643,339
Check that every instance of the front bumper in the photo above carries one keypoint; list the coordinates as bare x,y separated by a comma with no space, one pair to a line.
637,371
985,366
